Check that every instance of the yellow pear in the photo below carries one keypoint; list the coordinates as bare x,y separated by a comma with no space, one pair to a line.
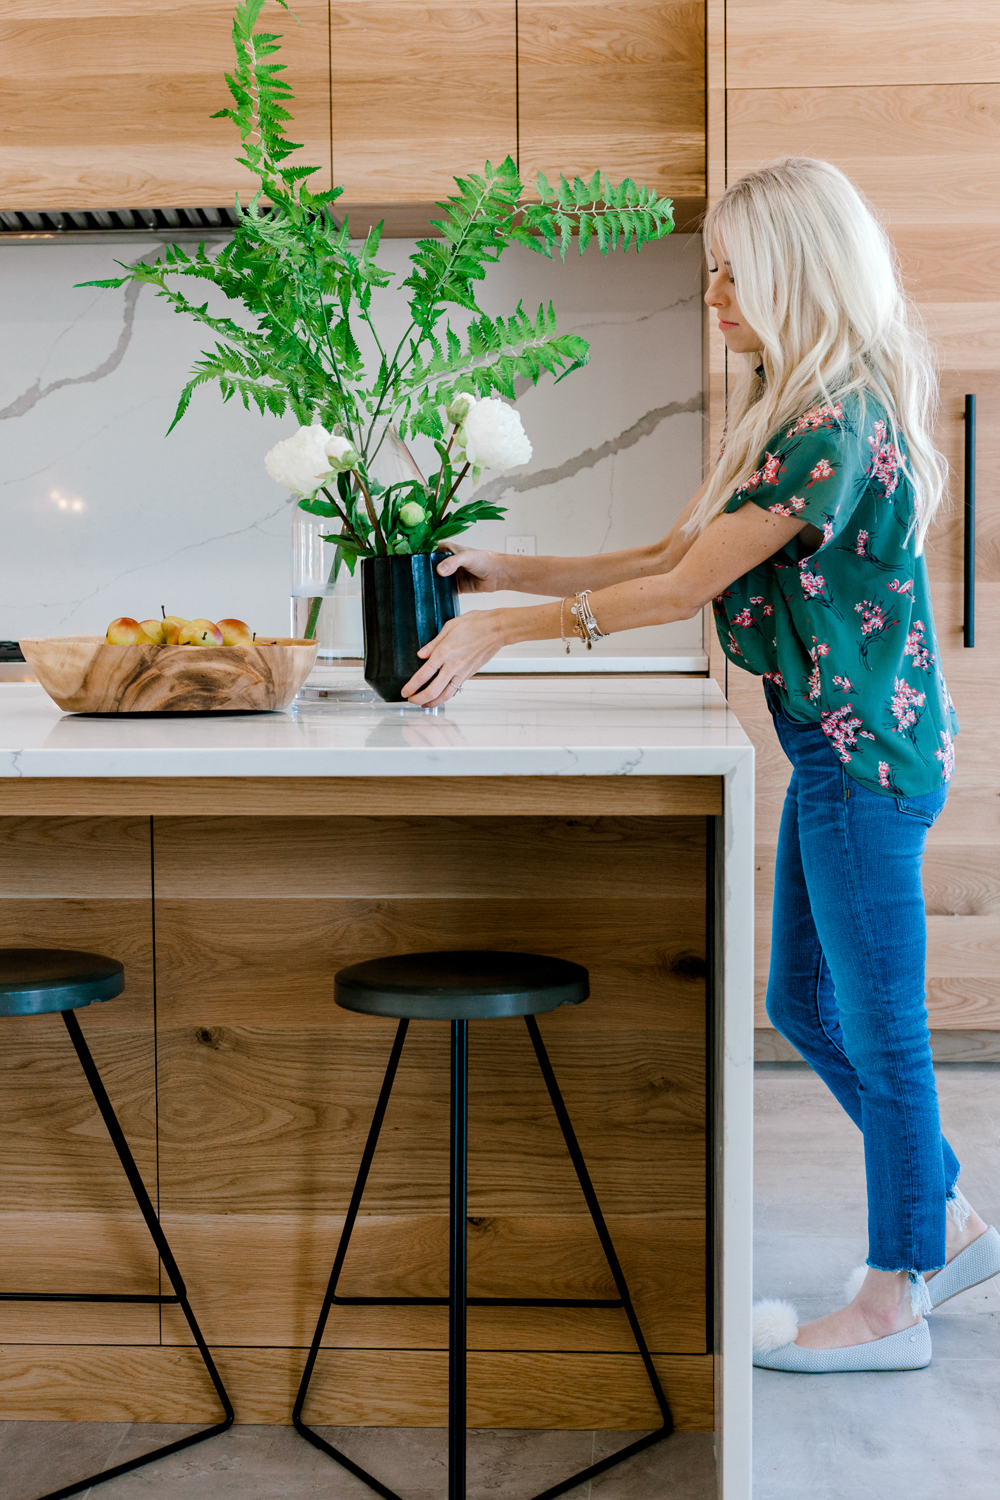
172,627
127,632
200,633
235,633
155,630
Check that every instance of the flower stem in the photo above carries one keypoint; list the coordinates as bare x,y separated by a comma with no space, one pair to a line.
458,481
369,507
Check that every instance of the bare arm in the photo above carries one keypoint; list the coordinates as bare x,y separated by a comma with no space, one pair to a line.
482,572
732,545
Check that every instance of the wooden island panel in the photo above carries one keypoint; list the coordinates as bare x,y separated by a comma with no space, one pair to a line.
265,1093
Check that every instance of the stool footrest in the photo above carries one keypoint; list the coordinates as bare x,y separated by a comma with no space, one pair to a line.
88,1297
339,1301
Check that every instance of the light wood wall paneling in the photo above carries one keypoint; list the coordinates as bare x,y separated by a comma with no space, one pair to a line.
313,796
268,1271
128,121
923,154
383,1388
618,85
777,43
423,90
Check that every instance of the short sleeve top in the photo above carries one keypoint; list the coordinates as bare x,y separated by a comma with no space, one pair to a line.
846,634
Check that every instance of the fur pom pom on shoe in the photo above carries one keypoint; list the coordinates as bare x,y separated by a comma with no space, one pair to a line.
775,1323
855,1282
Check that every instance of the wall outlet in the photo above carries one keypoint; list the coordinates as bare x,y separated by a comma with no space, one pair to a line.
521,546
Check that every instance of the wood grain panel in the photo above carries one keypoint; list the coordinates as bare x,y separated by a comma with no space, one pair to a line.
618,85
90,857
921,153
422,90
771,43
129,122
407,1255
309,796
382,1388
278,1120
106,1250
380,857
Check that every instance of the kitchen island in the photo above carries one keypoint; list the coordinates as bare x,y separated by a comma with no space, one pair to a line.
234,864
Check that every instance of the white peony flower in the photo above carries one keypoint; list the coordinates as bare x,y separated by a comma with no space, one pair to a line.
494,437
341,453
301,462
458,407
412,514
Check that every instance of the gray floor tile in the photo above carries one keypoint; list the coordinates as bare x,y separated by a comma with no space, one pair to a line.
682,1466
40,1456
915,1436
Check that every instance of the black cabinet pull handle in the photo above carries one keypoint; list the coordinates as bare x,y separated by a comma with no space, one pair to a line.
970,520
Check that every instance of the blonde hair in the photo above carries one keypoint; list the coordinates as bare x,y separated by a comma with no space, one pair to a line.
815,276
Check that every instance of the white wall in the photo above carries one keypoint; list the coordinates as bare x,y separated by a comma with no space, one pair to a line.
103,515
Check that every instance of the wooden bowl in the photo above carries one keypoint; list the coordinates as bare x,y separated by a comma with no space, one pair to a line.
85,675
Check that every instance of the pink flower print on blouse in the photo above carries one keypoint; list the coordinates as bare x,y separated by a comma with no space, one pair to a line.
768,473
814,587
768,611
817,417
845,684
862,543
733,646
917,648
792,509
885,778
818,649
875,623
885,459
823,470
776,678
862,548
906,706
901,588
843,728
946,755
745,620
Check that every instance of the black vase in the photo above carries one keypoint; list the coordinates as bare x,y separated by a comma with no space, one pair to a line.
404,603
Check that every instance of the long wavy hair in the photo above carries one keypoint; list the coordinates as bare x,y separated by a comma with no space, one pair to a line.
816,276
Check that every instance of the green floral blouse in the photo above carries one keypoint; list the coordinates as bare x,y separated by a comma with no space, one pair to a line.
846,634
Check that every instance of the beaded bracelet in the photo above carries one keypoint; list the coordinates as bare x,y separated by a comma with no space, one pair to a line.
586,622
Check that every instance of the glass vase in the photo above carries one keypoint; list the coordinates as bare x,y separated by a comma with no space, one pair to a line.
326,599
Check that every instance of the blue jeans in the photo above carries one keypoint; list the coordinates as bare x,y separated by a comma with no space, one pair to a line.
846,985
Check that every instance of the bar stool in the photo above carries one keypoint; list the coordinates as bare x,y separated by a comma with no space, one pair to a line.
35,982
463,987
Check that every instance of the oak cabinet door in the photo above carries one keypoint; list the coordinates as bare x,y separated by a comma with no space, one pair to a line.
928,158
423,91
618,85
107,103
781,43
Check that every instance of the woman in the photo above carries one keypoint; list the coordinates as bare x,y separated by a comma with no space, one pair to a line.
809,539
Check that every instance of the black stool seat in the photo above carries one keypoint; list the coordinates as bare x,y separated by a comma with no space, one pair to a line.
35,981
461,986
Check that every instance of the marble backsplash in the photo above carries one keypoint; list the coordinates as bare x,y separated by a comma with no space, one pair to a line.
104,514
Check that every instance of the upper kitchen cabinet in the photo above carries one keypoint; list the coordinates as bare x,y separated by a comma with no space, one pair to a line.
107,103
423,90
777,43
618,85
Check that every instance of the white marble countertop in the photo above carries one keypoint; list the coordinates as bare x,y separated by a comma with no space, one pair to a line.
496,727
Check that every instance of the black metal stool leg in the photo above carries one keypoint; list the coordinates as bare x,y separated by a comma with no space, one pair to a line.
458,1261
603,1234
338,1265
178,1298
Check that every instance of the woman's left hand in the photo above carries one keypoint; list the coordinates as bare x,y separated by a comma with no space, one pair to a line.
463,646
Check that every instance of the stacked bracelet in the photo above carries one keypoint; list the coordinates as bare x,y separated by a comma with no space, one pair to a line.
586,623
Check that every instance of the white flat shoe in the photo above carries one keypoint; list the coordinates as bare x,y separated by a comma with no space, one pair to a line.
977,1262
909,1350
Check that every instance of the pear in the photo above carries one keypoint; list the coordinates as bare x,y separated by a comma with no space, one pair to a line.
127,632
235,633
155,630
172,627
200,633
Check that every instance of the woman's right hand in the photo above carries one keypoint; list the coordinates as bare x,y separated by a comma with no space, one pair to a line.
476,571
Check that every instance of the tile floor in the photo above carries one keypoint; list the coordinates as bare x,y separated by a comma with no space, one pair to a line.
923,1435
274,1463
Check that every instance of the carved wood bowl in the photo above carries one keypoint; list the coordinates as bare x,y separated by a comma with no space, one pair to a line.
86,675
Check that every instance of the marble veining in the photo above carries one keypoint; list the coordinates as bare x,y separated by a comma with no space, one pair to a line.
106,515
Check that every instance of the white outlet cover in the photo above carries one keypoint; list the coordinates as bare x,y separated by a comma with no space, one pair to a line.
521,546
